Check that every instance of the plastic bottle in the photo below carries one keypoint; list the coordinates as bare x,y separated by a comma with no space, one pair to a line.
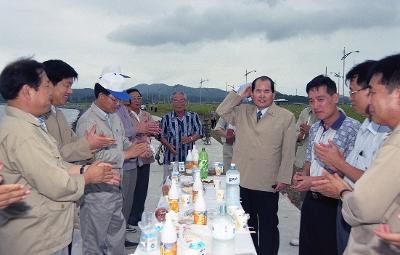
175,172
173,197
197,185
168,237
200,210
148,234
223,227
195,157
232,195
203,164
189,162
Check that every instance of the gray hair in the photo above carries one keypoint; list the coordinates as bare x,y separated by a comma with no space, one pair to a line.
176,93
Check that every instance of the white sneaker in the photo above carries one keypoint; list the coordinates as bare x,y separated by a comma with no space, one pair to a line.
294,242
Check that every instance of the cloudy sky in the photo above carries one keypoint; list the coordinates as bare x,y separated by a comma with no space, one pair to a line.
180,42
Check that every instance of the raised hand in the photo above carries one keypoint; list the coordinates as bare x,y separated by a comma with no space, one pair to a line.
97,141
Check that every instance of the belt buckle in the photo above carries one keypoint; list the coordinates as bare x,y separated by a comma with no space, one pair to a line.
316,195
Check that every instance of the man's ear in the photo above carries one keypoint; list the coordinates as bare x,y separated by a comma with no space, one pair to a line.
335,98
26,92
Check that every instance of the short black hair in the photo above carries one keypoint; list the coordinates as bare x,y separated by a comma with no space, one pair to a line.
57,70
263,78
389,67
361,72
133,90
320,81
18,73
100,89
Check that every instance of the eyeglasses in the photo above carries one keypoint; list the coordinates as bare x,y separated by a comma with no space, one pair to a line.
136,98
352,92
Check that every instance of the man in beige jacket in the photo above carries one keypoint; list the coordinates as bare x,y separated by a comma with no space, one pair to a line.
72,147
264,153
31,158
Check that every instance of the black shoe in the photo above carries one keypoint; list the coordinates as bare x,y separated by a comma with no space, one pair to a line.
129,244
131,229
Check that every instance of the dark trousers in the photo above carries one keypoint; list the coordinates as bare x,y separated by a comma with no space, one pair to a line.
342,230
318,225
263,208
139,198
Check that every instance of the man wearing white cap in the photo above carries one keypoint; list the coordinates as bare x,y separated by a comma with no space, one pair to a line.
102,221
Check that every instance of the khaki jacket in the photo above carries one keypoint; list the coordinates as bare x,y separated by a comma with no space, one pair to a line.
31,157
264,152
72,147
375,200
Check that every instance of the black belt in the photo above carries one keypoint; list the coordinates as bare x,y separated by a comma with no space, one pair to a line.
318,196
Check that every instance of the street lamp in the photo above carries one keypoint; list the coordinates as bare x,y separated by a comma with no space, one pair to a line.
345,55
201,85
338,82
247,73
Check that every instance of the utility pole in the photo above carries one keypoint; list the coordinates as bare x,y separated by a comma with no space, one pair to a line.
345,55
338,80
247,73
201,85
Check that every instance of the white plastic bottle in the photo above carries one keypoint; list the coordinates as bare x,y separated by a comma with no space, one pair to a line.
168,238
232,195
189,162
173,197
197,185
200,209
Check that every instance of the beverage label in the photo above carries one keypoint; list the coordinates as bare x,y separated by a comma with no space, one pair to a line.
194,195
148,241
168,249
181,167
233,179
173,205
200,218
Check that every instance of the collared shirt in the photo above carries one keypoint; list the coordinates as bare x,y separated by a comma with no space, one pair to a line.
263,111
130,133
31,158
343,133
306,116
173,129
113,154
369,140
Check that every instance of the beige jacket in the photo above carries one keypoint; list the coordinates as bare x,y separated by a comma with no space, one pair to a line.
72,147
31,157
264,152
375,200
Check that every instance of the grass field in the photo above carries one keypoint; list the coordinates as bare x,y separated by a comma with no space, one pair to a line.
204,110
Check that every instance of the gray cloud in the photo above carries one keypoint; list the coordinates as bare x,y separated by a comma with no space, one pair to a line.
273,20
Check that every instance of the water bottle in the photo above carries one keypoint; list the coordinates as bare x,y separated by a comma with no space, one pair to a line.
232,195
203,164
168,237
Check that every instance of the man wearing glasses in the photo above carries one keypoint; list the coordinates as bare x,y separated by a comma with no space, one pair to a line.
180,129
369,139
102,222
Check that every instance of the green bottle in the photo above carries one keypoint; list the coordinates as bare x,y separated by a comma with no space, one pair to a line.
203,164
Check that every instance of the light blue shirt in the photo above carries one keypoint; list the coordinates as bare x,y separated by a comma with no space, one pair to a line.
369,139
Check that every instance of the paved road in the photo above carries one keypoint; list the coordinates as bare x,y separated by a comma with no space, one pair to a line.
289,215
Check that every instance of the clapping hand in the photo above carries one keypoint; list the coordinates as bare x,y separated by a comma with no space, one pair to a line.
97,141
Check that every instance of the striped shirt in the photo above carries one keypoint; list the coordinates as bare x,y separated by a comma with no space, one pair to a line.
173,129
343,133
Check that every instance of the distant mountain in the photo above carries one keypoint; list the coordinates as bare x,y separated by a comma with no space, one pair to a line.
159,92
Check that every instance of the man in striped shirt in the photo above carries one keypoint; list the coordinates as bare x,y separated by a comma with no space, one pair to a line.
180,130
